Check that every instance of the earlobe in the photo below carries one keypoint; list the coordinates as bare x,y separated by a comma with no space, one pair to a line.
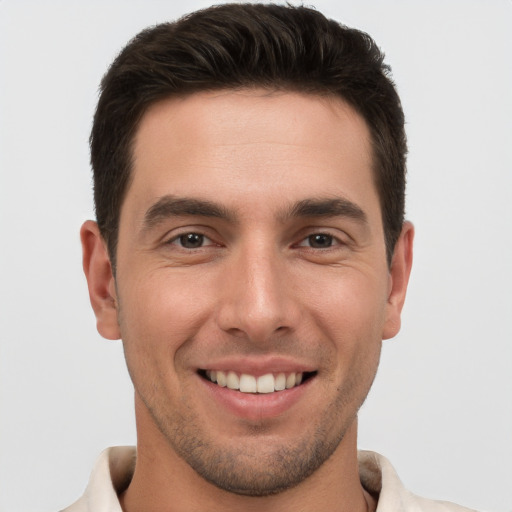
100,280
399,279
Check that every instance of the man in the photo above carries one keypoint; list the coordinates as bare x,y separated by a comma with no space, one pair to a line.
251,252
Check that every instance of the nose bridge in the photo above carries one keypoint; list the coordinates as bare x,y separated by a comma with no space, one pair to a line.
256,301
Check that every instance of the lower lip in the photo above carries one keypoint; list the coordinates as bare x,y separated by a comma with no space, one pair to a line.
256,406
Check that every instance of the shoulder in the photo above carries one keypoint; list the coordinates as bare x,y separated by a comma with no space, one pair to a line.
439,506
111,474
380,479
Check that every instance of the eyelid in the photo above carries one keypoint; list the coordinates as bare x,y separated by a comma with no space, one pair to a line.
172,237
175,240
305,242
339,239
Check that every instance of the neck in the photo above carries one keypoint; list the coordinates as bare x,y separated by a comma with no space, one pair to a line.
164,482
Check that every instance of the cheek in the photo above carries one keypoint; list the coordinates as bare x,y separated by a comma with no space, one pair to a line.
165,304
158,315
163,313
350,315
350,306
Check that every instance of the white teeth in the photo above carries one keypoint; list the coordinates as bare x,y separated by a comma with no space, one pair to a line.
221,379
246,383
280,382
266,383
232,381
290,381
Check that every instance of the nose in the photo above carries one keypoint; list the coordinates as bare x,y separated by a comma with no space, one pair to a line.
257,301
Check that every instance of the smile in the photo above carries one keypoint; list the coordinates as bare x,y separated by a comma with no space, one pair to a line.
246,383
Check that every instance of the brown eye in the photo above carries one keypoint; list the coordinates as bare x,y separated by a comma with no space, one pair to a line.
191,240
320,241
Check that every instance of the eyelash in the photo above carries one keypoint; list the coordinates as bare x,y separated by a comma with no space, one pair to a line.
333,241
181,240
307,241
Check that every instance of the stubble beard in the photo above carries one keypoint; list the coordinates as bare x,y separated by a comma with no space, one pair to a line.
254,469
257,468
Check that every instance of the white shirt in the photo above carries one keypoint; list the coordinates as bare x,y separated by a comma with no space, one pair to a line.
114,469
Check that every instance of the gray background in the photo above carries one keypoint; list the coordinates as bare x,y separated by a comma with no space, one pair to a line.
441,408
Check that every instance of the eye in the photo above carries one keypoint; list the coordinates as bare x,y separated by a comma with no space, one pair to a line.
319,241
191,240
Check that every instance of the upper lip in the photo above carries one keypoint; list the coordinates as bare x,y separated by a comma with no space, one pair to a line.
257,366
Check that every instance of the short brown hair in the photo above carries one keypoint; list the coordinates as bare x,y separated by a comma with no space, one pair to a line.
246,45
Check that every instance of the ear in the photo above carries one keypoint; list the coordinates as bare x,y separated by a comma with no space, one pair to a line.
100,280
399,279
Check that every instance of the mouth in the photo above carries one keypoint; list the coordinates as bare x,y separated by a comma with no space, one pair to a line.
262,384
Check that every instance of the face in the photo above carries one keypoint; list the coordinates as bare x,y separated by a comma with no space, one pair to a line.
252,291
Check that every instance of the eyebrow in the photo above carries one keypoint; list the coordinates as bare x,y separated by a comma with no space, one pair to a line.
336,207
171,206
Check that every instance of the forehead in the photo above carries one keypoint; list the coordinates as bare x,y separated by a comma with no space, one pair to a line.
251,145
254,116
